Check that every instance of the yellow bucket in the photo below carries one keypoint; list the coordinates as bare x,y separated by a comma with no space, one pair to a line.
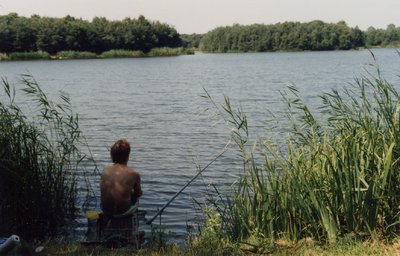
92,215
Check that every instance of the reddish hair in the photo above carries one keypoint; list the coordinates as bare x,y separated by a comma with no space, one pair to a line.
120,151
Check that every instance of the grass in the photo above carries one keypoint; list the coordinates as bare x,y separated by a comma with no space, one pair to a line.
39,158
322,180
209,246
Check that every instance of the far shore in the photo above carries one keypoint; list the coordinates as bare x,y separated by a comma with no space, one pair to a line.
120,53
298,50
157,52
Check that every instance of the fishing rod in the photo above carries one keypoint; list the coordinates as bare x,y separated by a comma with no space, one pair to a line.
148,222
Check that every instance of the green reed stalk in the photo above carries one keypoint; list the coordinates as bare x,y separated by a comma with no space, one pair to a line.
326,178
39,160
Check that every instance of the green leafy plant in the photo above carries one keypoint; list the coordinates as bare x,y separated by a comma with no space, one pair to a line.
158,236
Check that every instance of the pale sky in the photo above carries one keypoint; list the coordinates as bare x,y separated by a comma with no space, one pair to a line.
200,16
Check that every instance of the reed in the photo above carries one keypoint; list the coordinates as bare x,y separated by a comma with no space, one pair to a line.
122,53
75,55
39,159
167,51
328,179
164,51
28,55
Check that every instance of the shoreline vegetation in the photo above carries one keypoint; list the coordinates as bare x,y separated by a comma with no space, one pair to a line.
155,52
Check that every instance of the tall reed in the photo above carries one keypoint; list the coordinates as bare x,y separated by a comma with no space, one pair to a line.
39,159
322,179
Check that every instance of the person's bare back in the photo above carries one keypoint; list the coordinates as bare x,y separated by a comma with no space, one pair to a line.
118,180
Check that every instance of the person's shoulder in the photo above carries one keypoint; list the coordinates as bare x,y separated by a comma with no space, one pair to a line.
106,169
133,172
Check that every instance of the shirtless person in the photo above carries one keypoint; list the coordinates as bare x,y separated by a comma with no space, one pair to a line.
118,181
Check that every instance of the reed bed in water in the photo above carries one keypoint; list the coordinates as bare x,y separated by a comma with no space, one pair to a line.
75,55
39,159
122,53
325,180
28,56
3,56
166,51
163,51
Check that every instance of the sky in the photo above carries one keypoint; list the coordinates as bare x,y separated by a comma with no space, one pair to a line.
201,16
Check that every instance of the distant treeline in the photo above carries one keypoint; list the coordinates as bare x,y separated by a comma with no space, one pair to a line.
291,36
192,40
22,34
52,35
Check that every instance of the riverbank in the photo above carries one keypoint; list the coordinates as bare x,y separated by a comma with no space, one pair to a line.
347,246
155,52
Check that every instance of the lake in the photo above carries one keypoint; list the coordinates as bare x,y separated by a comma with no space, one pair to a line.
154,102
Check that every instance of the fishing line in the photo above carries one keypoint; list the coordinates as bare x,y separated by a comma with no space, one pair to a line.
148,222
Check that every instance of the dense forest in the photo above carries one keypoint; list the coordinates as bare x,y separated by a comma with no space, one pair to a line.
21,34
52,35
291,36
192,40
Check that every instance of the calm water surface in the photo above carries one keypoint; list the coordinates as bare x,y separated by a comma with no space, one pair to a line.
153,103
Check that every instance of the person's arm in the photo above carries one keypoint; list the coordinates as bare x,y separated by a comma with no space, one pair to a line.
136,188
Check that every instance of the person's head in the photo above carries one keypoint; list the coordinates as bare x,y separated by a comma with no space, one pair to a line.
120,151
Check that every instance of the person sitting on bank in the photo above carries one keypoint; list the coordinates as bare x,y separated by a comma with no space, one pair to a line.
120,185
